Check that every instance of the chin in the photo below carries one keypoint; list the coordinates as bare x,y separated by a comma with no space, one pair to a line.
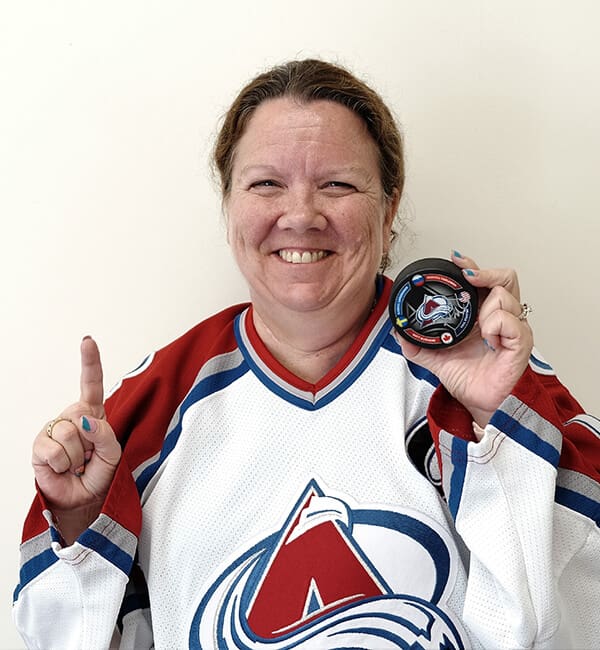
306,297
302,302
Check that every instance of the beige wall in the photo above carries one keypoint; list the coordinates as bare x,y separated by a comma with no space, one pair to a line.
109,224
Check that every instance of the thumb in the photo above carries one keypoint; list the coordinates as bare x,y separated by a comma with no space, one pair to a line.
409,350
92,390
424,357
101,435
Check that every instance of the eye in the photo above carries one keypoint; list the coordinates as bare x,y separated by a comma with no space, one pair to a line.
267,182
338,188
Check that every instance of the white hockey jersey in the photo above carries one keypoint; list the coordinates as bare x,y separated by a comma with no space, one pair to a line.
252,509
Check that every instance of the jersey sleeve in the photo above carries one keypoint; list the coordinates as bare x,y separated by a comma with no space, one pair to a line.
70,596
525,499
92,594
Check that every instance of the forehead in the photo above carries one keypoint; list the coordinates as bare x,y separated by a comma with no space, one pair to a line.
290,124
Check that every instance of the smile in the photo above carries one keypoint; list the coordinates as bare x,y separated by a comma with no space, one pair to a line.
306,257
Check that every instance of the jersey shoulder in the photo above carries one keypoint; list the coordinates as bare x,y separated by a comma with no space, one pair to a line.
165,376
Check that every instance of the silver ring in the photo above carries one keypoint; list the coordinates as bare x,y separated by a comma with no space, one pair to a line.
525,311
51,424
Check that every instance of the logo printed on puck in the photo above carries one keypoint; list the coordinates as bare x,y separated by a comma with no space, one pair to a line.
432,304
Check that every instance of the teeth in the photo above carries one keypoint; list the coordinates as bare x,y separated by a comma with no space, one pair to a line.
306,257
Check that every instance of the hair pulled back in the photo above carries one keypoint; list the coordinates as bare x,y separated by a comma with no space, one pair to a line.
309,80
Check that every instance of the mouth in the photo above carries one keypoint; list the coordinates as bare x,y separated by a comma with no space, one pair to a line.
302,257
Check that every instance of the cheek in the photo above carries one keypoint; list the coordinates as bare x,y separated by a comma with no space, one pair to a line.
246,227
370,228
377,237
237,235
237,219
382,225
234,229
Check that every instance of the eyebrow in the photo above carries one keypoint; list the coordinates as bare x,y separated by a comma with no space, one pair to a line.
267,169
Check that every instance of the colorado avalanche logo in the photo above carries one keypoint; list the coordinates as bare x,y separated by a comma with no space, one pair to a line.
434,308
335,577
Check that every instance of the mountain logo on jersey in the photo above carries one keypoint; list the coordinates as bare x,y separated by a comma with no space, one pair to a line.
335,577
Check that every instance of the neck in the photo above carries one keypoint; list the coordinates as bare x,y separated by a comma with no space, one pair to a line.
310,344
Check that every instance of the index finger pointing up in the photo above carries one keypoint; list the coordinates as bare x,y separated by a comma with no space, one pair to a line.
92,391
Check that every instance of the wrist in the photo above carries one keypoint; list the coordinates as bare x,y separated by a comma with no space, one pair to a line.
480,417
72,523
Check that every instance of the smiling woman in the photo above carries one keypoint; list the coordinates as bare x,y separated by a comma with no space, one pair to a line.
289,473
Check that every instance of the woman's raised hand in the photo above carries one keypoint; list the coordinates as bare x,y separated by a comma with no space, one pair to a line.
76,454
482,370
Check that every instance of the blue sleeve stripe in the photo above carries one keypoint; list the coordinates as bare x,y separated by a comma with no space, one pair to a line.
526,437
109,551
588,421
32,569
459,468
540,363
578,502
204,388
55,535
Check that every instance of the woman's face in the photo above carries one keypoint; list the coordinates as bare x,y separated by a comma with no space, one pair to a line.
307,218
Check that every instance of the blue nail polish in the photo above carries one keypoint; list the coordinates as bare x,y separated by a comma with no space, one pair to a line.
488,345
469,272
85,423
457,254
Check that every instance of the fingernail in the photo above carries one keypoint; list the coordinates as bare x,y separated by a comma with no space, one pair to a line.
87,336
89,425
79,471
487,343
469,272
457,254
87,456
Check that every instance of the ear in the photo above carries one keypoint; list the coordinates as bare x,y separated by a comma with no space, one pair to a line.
391,208
226,220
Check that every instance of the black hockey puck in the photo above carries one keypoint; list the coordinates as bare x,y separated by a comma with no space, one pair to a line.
432,304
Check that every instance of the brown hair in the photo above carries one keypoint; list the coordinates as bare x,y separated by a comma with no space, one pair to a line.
309,80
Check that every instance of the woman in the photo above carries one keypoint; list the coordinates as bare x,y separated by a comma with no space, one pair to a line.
288,473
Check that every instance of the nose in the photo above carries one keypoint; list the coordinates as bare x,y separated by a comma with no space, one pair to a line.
301,212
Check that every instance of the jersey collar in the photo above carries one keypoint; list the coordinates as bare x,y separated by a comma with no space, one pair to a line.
303,393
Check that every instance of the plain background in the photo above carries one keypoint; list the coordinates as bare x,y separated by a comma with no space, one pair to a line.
110,224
